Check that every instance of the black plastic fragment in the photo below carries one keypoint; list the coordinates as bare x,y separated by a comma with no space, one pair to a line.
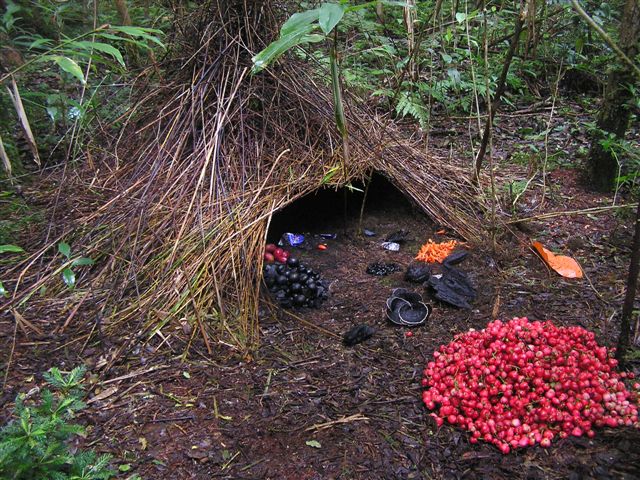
407,308
417,273
455,258
358,334
454,288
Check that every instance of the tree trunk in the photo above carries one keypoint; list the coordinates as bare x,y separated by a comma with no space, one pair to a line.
632,283
615,111
380,11
409,20
123,12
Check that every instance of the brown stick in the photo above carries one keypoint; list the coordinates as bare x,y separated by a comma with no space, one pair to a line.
632,284
500,89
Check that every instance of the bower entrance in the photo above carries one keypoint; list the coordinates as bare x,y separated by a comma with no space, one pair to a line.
355,296
328,210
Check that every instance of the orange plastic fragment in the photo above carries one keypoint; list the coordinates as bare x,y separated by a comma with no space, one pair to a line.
565,266
432,252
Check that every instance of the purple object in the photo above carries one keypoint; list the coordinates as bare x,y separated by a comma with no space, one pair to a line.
293,239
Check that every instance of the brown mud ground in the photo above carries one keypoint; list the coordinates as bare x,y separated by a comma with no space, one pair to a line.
227,417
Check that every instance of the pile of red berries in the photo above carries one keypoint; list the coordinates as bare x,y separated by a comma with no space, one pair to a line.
518,383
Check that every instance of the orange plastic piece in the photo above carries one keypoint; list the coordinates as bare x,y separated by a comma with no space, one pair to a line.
565,266
322,246
432,252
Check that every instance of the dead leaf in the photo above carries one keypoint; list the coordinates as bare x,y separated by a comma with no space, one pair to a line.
565,266
143,443
103,394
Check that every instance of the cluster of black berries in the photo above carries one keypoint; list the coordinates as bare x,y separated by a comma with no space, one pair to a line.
293,284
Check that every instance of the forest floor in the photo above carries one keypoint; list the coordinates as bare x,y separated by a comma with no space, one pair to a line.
307,407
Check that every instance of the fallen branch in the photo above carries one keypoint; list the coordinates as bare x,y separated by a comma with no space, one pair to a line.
323,426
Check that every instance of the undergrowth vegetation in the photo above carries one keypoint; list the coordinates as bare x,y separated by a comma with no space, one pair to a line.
36,443
67,67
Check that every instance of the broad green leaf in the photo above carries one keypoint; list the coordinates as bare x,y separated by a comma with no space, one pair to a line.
68,65
10,249
104,48
69,277
140,32
454,75
3,291
65,249
329,16
53,113
275,49
313,443
119,38
39,42
125,467
82,261
461,17
299,23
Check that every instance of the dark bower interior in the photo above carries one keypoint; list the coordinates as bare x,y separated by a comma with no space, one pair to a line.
323,211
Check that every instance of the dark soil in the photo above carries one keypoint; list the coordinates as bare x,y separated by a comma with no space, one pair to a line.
307,407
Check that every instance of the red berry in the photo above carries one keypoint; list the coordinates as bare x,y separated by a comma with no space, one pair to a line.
518,383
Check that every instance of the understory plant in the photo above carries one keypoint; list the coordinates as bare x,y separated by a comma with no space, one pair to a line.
35,444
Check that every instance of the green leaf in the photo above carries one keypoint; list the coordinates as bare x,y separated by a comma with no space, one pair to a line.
104,48
299,22
461,17
139,32
69,66
329,16
125,467
10,249
3,291
65,249
69,277
82,261
313,443
275,49
39,42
